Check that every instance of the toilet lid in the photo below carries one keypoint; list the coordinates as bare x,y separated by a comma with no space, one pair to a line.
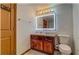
64,47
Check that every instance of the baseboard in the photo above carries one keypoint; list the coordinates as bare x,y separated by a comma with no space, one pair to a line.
25,51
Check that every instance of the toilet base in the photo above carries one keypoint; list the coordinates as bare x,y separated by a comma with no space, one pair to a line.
65,53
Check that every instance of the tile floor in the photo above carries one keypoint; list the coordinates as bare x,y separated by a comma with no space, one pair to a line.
34,52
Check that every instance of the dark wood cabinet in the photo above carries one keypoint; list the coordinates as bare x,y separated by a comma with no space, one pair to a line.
43,43
37,44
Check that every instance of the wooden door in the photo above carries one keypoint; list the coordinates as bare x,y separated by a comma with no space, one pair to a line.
8,26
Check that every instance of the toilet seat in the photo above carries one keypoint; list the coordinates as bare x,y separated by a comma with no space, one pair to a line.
65,49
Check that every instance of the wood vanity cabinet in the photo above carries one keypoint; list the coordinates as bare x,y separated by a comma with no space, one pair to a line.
49,45
37,44
42,43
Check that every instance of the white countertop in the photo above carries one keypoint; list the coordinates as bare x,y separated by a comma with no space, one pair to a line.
64,35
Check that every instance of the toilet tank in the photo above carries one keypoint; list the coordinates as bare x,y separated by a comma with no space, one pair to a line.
64,39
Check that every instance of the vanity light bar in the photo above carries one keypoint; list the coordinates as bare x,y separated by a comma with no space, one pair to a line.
44,11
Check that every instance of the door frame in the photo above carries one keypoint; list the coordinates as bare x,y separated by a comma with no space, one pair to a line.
15,14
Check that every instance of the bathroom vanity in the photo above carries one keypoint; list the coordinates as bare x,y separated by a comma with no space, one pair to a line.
43,43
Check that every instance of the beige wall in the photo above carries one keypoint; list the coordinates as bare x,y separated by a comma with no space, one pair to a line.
64,17
26,26
76,27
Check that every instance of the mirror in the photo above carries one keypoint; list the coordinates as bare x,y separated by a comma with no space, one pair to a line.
46,22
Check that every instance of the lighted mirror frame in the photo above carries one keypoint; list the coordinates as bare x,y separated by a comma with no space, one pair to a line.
46,29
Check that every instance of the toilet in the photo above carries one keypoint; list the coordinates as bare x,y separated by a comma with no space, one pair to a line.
65,49
62,45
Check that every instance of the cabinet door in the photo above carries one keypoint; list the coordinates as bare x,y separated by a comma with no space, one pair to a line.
37,44
34,41
40,45
48,48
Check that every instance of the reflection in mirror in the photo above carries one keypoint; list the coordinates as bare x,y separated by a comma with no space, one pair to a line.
46,22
